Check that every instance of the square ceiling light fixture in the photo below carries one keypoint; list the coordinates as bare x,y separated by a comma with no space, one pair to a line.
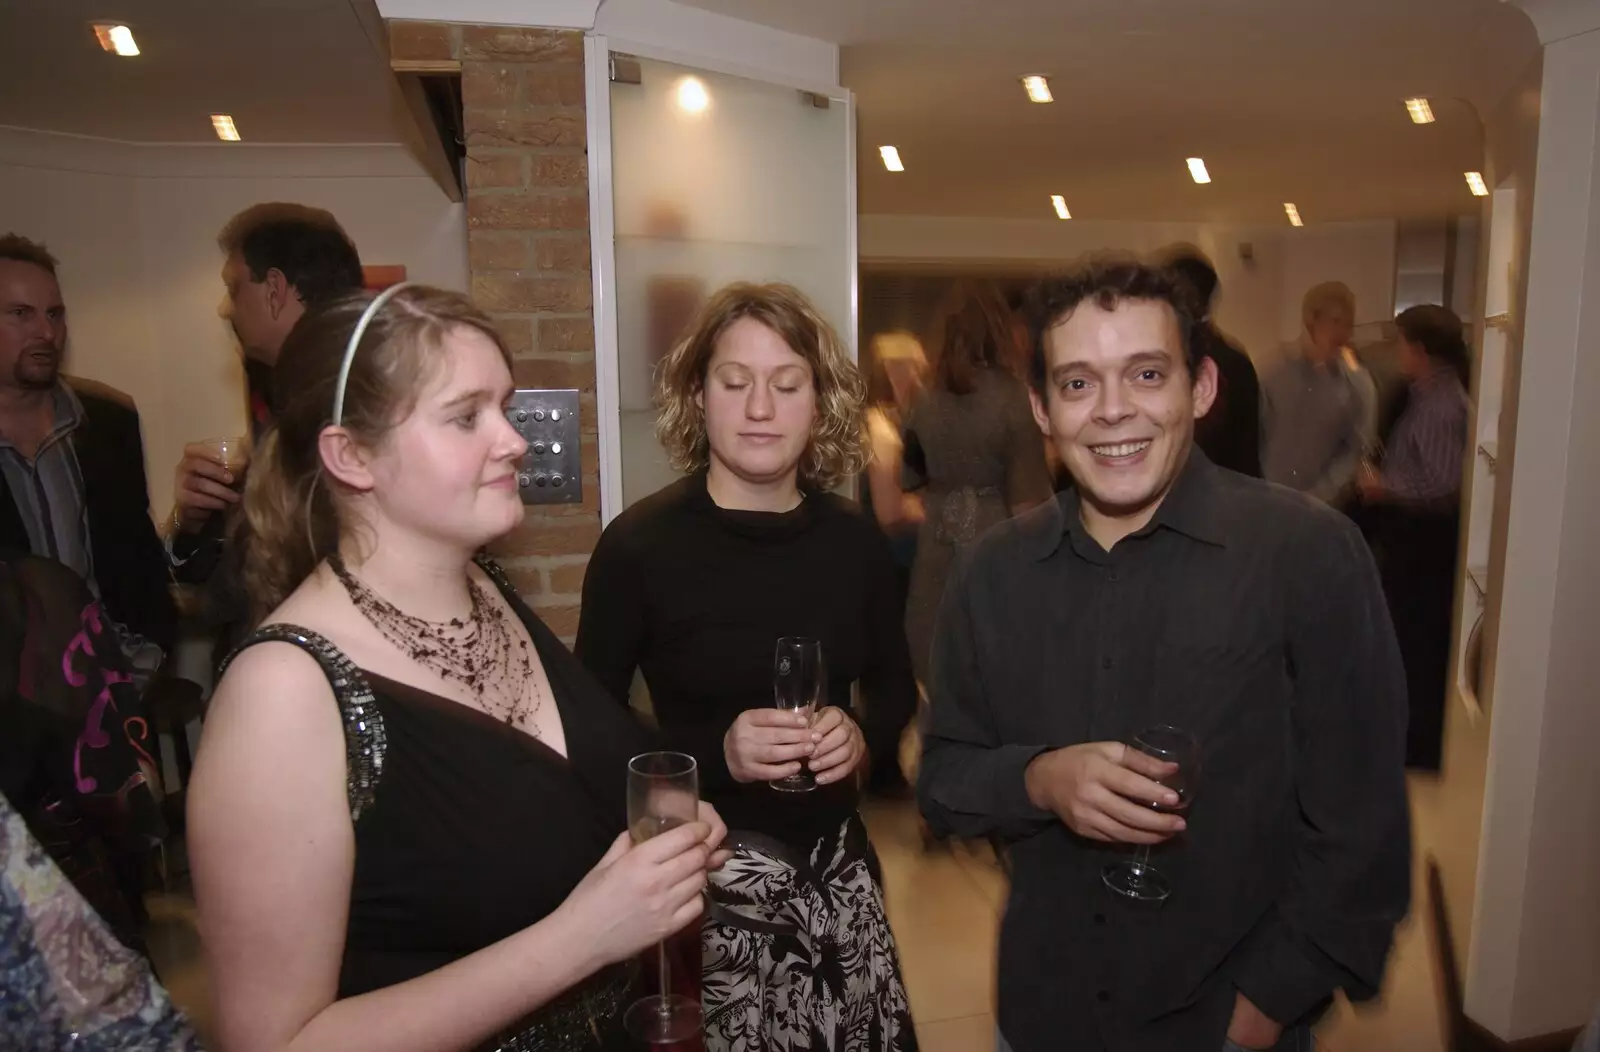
1476,184
891,158
115,38
1419,111
1038,88
1061,206
224,127
1293,213
1197,169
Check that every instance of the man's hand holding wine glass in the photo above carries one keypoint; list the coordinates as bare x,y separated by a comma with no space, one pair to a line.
1104,791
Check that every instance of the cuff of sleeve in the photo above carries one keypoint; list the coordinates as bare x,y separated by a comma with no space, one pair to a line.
1011,783
1279,978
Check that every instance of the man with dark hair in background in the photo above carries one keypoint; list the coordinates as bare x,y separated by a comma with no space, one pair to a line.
72,462
1161,590
1230,432
281,260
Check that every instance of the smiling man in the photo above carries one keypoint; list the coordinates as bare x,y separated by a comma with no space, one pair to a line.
1162,590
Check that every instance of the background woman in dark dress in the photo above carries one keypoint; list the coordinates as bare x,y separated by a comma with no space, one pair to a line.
973,449
1412,515
694,586
405,811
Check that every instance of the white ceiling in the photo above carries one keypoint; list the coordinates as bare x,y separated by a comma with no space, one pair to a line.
1287,100
287,70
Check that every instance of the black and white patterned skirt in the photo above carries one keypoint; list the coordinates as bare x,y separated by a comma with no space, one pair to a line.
797,955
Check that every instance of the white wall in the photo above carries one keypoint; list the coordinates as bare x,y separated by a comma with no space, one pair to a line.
135,230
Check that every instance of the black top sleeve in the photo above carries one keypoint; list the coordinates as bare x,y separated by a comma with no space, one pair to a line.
611,639
1333,924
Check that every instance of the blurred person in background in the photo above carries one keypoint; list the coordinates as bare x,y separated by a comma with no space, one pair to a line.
898,375
973,451
1413,511
65,979
1317,413
1230,432
280,260
693,586
75,739
72,463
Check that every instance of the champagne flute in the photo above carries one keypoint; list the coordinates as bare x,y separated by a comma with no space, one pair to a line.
798,679
663,793
1135,877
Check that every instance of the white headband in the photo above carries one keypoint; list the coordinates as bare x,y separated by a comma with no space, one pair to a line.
355,341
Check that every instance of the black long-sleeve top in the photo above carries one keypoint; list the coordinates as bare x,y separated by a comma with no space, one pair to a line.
1251,617
696,597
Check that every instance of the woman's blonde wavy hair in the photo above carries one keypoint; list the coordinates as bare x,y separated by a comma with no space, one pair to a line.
293,511
835,450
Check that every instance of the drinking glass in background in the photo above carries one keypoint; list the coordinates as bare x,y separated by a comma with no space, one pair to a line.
1136,877
232,452
663,793
798,679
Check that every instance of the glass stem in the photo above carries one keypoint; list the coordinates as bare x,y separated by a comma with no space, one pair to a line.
1141,861
666,975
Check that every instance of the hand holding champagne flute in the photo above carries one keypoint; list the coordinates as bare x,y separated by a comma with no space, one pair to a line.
208,479
663,794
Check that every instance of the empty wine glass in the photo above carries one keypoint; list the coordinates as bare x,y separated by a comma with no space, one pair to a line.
799,678
663,793
1135,877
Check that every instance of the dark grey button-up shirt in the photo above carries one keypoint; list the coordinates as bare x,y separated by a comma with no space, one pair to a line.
1251,617
48,491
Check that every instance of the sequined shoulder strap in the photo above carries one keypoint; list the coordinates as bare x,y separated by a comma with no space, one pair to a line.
497,574
365,744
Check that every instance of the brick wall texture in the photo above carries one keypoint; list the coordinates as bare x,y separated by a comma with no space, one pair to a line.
527,194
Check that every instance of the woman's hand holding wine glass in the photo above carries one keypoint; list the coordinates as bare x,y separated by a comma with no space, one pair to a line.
767,744
840,746
639,894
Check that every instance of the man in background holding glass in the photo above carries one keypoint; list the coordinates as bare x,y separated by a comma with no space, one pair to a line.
1161,590
281,260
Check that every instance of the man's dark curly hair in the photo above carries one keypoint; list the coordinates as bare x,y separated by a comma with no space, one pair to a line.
1107,281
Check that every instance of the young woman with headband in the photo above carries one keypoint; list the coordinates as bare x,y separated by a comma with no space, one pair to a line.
404,817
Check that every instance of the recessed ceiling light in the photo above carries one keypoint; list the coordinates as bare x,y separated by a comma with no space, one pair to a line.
1038,88
891,158
1293,213
1061,206
116,38
1197,168
692,95
224,127
1476,184
1420,111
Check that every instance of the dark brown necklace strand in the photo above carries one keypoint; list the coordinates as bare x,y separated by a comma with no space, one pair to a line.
479,653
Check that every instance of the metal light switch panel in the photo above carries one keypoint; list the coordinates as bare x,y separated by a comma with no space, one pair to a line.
552,470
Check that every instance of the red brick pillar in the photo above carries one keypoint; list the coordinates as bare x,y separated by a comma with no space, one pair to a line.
527,192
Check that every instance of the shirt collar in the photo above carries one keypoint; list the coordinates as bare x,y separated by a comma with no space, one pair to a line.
1193,507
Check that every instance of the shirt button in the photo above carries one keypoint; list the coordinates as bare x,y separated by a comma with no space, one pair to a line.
1113,577
1106,662
1104,996
1099,918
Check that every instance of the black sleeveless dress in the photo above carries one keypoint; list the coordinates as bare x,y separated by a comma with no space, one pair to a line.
468,830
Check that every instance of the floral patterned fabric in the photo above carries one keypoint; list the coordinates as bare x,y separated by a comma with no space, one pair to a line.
799,956
65,980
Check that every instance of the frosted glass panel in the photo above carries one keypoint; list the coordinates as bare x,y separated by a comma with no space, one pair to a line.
753,186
